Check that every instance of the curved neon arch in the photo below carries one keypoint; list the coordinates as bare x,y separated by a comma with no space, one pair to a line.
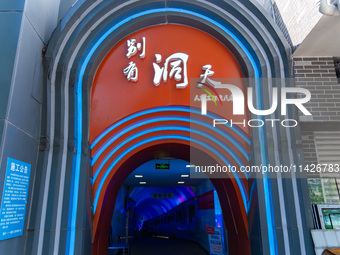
111,139
243,190
166,128
160,109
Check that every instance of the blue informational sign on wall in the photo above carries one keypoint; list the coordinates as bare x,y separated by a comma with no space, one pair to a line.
215,242
14,199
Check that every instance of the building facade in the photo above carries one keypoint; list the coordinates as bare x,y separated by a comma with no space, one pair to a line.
57,113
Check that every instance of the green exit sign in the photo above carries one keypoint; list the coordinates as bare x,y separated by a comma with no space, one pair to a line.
163,166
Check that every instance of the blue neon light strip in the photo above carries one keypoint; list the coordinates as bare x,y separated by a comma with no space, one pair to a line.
135,125
251,193
163,137
167,128
187,109
78,114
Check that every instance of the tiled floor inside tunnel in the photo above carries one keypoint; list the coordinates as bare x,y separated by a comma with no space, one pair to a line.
161,246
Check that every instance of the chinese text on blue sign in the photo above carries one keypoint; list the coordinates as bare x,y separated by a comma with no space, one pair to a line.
14,199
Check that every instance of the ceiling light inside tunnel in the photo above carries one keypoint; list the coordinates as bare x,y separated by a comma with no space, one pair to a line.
185,175
180,182
138,176
142,182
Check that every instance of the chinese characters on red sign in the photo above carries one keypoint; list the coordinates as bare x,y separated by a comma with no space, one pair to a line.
176,61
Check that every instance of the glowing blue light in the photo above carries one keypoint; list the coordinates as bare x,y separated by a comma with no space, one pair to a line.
162,137
166,118
161,109
165,128
142,195
219,216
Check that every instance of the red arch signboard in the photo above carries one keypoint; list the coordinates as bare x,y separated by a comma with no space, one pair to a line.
114,96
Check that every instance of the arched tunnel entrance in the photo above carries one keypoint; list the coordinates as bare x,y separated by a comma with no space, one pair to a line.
123,83
166,212
143,110
233,212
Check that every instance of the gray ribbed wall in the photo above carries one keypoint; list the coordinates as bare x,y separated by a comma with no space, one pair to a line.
25,28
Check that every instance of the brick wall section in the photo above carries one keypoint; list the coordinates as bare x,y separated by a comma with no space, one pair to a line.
308,146
317,74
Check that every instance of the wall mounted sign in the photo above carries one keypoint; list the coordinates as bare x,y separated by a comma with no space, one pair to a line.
14,199
215,241
162,166
162,195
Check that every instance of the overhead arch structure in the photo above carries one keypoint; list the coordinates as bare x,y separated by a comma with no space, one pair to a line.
77,48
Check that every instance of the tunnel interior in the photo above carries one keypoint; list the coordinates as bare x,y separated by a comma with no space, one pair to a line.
160,200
